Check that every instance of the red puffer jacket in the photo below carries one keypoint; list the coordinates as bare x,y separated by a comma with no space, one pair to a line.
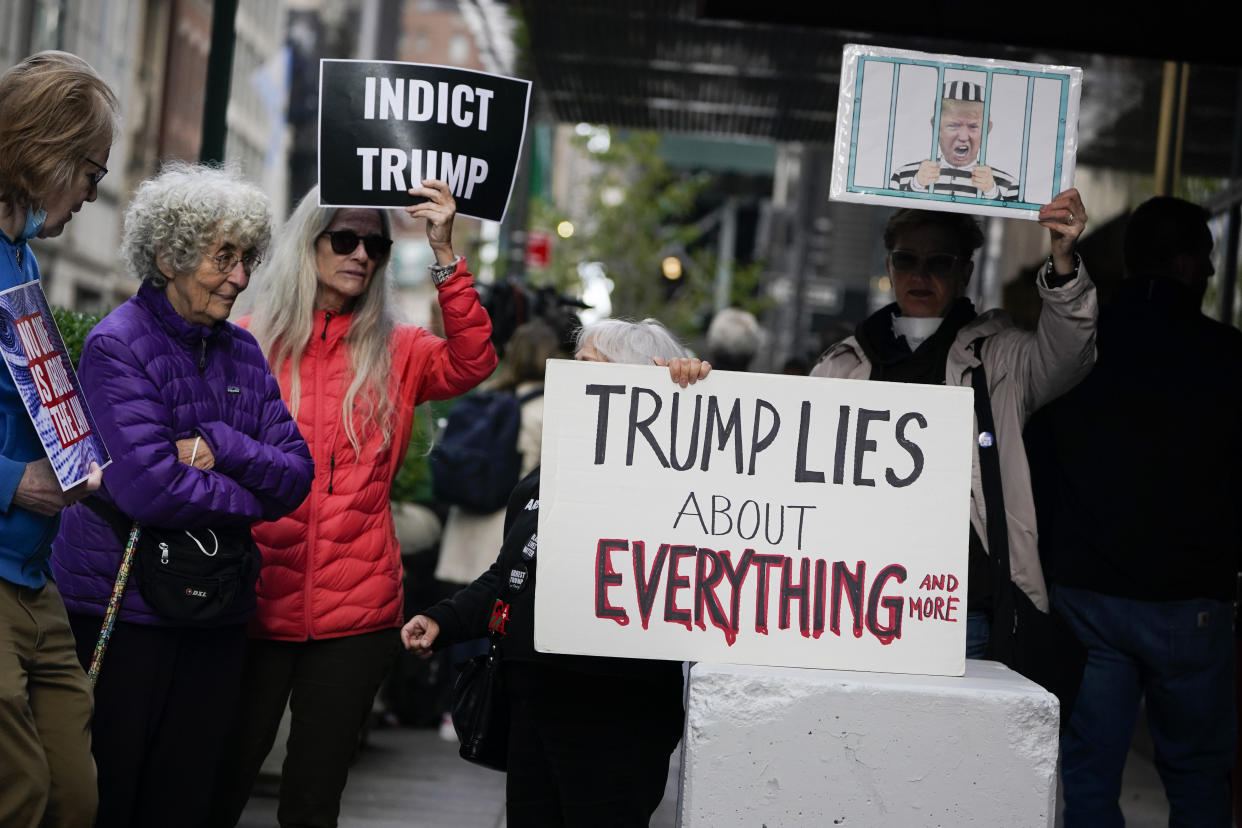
333,567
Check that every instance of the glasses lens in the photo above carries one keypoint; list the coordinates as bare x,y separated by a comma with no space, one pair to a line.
937,264
343,242
377,246
940,264
903,260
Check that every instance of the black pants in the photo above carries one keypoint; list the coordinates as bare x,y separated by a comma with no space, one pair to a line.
587,750
329,685
164,700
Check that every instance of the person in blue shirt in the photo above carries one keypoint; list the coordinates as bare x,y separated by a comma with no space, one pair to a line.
57,119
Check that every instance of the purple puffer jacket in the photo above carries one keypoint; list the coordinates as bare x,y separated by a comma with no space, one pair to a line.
152,378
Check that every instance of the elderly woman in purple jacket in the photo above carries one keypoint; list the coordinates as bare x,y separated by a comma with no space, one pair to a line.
199,439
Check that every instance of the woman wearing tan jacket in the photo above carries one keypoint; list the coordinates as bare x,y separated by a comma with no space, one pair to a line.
932,335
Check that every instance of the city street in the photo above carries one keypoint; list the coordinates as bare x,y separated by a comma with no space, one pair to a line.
410,778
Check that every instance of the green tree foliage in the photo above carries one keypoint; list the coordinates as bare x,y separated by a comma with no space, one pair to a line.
640,213
74,326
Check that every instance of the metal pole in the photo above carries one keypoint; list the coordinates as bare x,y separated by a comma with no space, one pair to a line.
726,244
219,79
1164,135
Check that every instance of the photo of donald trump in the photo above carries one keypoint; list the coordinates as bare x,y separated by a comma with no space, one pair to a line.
960,137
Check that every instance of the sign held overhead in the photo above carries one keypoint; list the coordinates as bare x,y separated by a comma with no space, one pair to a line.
385,126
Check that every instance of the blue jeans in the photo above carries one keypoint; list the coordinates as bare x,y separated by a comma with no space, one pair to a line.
978,631
1180,655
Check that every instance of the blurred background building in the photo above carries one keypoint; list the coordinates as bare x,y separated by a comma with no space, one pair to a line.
678,154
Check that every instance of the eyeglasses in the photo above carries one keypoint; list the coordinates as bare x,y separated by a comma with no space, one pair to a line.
99,176
225,262
937,264
345,242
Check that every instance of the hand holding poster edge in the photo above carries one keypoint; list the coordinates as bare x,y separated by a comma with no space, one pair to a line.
383,124
1035,122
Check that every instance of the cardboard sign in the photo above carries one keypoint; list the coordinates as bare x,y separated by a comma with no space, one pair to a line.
754,519
943,132
48,385
385,126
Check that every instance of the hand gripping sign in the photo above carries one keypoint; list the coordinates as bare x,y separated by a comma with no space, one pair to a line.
754,519
943,132
384,126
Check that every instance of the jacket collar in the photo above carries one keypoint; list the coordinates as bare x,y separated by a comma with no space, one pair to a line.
155,301
330,327
962,354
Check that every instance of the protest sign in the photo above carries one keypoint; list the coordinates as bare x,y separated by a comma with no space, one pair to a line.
754,518
48,385
384,126
943,132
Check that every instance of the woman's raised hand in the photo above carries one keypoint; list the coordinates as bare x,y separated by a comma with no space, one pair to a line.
438,211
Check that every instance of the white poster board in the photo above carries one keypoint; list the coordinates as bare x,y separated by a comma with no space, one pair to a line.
1011,125
754,519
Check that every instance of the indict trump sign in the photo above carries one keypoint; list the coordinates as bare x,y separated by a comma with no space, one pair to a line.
385,126
755,519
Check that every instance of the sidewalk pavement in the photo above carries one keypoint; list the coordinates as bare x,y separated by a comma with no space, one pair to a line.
411,778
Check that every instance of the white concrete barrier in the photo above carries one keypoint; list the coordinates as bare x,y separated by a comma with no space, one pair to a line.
769,746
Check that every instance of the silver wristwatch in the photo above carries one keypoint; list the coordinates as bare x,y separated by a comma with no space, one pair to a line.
441,273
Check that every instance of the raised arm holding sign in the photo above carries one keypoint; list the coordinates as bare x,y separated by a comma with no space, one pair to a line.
931,335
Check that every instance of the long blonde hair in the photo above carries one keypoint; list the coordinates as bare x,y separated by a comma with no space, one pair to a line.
284,312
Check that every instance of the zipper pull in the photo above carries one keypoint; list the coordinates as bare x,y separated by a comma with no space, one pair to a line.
331,471
163,553
202,354
327,317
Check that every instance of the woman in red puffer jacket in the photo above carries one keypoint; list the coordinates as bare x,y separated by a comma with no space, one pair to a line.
330,602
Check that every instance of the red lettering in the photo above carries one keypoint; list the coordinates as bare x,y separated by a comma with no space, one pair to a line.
605,577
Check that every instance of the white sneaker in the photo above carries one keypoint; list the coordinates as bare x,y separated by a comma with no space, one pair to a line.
447,732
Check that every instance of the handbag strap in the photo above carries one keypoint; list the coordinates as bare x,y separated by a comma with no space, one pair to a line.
1004,618
128,531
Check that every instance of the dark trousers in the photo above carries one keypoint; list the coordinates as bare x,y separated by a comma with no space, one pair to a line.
163,702
329,686
1180,656
587,750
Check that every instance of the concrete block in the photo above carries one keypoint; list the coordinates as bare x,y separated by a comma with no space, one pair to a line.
771,747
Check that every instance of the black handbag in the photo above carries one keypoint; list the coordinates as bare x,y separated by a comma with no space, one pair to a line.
481,710
480,706
190,577
1039,645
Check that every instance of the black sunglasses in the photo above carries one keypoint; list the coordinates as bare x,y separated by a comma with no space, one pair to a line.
937,264
345,242
97,176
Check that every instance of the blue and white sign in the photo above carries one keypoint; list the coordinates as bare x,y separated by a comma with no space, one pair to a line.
45,379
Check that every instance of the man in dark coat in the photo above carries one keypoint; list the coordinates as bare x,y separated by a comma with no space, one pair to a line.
1147,454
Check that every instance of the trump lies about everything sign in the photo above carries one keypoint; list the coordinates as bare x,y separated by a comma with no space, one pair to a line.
754,519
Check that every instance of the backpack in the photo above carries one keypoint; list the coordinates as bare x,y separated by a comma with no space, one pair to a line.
475,463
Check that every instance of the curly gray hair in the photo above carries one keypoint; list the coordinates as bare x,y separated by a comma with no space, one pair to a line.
177,215
633,343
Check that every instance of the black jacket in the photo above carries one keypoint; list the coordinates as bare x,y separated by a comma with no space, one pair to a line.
465,616
1147,453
